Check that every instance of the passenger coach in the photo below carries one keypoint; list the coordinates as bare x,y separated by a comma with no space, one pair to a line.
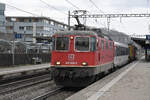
121,54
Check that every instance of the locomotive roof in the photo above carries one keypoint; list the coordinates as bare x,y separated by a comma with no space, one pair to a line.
75,33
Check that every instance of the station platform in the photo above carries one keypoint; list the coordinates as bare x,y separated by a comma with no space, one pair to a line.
131,82
25,68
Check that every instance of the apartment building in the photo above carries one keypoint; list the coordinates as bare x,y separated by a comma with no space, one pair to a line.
2,18
30,27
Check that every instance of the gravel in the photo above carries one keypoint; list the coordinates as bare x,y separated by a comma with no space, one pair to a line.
30,92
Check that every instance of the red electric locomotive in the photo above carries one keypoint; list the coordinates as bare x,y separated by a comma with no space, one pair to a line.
79,56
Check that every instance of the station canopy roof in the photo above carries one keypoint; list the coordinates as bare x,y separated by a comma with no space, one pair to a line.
140,41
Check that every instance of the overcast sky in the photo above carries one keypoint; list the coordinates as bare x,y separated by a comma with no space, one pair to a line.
126,25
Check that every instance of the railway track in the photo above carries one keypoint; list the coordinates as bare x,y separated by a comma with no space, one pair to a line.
20,84
48,94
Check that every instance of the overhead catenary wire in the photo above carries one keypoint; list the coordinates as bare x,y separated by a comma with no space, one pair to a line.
19,9
72,4
22,10
99,11
108,22
53,7
96,6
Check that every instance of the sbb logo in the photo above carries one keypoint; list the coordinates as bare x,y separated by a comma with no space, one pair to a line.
71,57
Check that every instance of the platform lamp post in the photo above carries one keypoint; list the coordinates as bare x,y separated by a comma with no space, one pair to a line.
13,46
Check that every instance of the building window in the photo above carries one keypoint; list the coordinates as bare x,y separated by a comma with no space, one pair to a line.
30,20
35,20
59,25
52,23
39,27
28,39
9,27
21,28
1,12
29,27
13,19
46,21
46,28
2,23
55,24
21,19
8,19
51,29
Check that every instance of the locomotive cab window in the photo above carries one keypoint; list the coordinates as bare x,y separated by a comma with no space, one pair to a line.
82,43
62,43
93,43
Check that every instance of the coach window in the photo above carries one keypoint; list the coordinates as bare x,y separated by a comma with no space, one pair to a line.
82,43
116,53
119,51
102,44
93,43
62,43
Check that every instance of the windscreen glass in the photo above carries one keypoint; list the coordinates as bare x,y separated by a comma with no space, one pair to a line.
82,43
62,43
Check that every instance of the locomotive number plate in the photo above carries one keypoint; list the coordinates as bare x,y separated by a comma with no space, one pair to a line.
71,62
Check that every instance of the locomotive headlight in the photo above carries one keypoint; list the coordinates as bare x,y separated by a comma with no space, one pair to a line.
58,63
71,37
84,63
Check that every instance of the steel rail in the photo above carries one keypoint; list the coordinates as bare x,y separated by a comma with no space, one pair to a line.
19,81
12,84
48,94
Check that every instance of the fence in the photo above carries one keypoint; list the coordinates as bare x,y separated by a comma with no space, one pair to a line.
6,59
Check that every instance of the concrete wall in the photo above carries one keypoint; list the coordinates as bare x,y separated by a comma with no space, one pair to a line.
21,59
6,36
